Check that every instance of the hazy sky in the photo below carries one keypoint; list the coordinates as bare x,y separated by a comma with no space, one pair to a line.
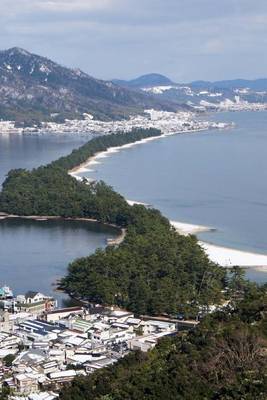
184,39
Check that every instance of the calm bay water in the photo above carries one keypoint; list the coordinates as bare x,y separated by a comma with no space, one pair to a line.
34,254
19,151
214,178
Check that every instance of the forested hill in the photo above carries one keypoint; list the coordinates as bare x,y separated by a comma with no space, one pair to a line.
50,190
225,358
154,270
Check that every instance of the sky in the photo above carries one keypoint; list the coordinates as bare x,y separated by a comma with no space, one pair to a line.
184,39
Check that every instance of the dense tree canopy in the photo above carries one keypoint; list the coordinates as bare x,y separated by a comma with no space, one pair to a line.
50,190
154,271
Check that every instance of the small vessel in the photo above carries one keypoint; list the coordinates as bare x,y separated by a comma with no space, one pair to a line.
6,293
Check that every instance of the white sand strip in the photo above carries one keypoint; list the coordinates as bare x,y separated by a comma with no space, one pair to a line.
228,257
83,169
189,229
111,150
224,256
92,162
133,202
101,155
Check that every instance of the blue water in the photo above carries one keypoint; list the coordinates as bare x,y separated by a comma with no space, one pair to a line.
34,254
214,178
21,151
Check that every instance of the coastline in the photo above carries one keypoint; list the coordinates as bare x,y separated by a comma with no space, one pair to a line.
110,242
229,257
91,161
189,229
224,256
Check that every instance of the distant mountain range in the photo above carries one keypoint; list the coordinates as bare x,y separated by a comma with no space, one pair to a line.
257,84
199,92
34,88
145,81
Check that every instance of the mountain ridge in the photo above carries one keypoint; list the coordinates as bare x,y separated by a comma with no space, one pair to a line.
35,88
159,79
145,80
200,92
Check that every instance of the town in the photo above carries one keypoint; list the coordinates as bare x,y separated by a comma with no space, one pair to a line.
167,122
43,347
238,104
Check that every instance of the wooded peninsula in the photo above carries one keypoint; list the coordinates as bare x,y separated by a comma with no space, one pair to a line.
155,270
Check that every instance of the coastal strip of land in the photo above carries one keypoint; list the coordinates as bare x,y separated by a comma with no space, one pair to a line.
89,164
224,256
228,257
190,229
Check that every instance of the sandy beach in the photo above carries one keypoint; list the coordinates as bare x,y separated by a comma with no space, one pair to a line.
89,164
223,256
133,202
189,229
228,257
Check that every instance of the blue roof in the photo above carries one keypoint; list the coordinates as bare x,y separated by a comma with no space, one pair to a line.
40,327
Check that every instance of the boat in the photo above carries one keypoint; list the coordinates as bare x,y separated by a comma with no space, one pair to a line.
6,293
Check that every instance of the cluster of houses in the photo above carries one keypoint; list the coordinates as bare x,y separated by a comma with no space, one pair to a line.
32,302
43,347
167,122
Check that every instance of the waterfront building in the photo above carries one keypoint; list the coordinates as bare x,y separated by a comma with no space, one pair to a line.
35,303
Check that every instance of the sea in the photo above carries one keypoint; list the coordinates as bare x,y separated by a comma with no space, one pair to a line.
214,178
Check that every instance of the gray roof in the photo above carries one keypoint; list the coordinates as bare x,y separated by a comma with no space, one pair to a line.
30,294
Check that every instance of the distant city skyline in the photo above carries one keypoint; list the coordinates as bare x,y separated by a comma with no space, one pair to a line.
185,40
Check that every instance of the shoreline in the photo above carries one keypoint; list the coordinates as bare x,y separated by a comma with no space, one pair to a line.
93,160
110,242
183,228
227,257
224,256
